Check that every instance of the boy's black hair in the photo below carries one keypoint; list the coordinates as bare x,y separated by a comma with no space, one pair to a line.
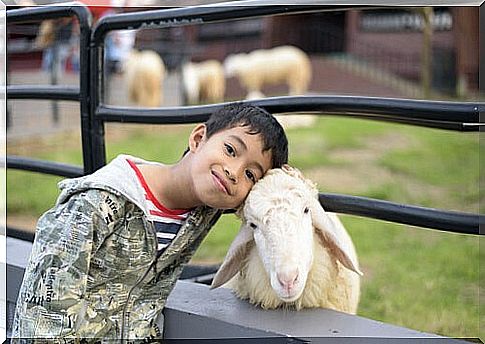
258,121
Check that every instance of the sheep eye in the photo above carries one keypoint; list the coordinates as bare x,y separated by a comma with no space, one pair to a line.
252,225
306,210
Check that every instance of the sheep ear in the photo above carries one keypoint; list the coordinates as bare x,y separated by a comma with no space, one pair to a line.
234,258
296,173
327,231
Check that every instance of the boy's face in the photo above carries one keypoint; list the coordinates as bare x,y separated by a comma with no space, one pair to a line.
227,165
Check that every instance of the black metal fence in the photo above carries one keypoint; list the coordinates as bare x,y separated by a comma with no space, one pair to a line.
79,94
457,116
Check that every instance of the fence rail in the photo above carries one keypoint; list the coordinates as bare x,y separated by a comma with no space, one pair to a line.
44,92
43,166
450,221
459,116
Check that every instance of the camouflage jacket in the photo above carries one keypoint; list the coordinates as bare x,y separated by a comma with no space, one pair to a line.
93,272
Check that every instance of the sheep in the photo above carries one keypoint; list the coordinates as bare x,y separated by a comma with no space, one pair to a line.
286,64
289,252
144,74
296,121
204,81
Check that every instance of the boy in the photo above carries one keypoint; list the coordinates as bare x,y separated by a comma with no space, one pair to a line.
108,254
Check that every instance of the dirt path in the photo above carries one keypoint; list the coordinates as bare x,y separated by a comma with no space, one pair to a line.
359,167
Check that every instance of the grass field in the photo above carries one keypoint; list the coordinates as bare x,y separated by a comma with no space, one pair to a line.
419,278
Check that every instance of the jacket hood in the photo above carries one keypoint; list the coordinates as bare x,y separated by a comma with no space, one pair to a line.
116,177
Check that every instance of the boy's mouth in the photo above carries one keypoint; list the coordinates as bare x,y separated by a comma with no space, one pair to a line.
220,182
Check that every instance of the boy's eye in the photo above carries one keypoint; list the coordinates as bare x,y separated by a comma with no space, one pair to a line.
230,150
251,176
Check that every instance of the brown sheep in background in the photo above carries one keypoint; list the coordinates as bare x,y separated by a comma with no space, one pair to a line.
204,82
144,74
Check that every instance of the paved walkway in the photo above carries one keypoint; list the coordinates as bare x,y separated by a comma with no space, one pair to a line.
335,76
33,118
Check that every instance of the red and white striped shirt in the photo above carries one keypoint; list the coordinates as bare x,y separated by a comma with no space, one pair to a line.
167,222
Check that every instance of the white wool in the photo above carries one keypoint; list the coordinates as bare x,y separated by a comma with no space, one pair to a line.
296,121
286,234
281,65
190,83
252,95
144,74
204,81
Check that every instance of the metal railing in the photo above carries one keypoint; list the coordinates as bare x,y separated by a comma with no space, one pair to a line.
54,92
457,116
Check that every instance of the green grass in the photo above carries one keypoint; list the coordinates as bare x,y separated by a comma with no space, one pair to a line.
445,158
423,279
163,144
308,147
417,278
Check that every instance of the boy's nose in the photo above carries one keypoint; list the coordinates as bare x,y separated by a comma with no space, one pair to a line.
230,175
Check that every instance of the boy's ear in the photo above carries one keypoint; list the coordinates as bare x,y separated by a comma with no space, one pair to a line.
197,136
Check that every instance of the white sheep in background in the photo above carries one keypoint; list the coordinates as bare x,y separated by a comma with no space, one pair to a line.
284,64
204,81
289,252
144,74
296,121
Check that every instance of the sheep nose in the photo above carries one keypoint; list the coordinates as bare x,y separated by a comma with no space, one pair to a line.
288,278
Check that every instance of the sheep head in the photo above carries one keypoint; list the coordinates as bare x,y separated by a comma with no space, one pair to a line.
282,217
